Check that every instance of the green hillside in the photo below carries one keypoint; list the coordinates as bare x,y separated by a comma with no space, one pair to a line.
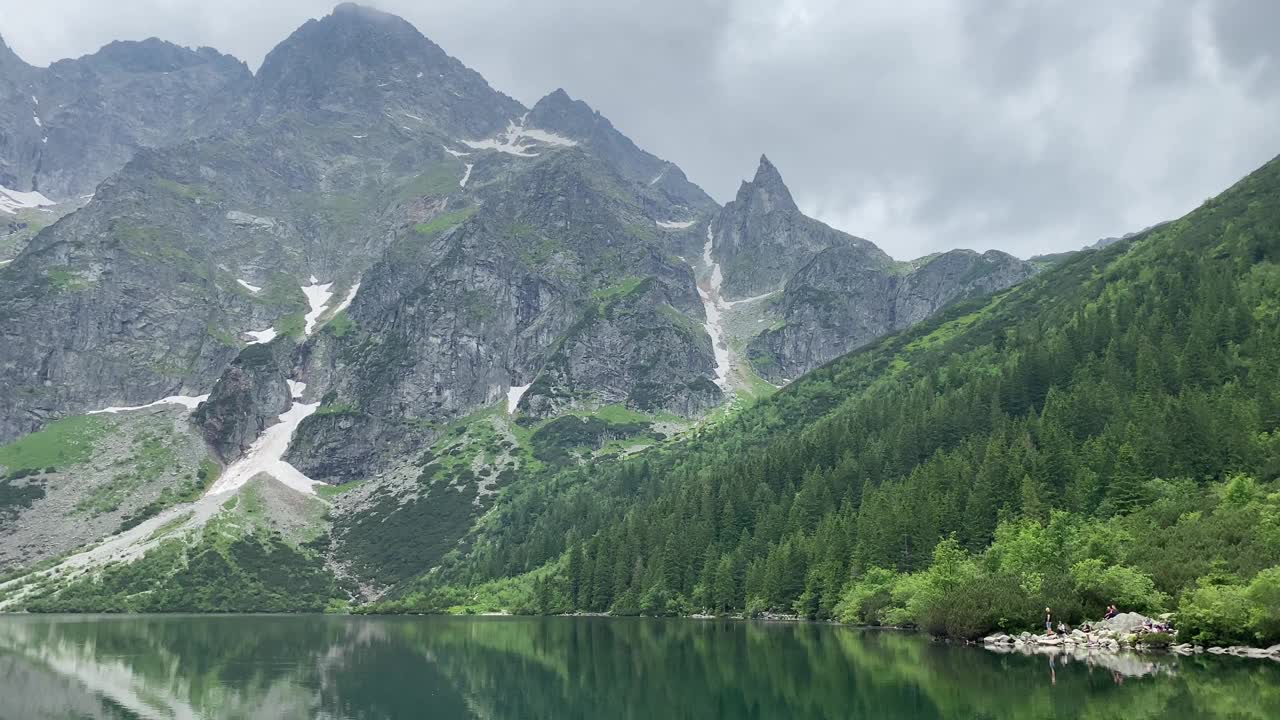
1105,432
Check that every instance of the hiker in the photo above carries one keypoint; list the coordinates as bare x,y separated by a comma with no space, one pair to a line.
1048,621
1112,611
1063,629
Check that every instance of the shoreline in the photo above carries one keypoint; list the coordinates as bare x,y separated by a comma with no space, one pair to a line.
1025,643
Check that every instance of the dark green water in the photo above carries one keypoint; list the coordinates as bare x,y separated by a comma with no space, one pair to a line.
444,668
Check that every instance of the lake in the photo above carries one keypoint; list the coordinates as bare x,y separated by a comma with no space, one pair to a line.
578,668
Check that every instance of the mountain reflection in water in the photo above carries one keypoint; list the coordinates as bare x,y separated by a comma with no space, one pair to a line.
523,668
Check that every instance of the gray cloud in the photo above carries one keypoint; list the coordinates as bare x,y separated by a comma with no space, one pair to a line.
1025,125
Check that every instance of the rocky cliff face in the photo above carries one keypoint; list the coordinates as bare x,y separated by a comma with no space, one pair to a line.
661,185
762,238
251,393
478,302
843,300
65,128
632,348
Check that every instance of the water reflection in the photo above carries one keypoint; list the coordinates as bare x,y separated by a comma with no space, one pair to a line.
368,668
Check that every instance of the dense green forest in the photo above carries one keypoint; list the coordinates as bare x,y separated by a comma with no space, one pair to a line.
1109,431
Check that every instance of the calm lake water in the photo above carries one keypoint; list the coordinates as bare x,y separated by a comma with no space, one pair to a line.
443,668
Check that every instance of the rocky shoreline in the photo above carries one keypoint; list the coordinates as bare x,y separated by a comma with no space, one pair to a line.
1124,632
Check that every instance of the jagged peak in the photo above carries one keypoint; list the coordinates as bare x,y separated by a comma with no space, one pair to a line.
558,95
767,189
561,104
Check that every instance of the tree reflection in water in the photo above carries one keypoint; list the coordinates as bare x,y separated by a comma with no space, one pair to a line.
523,668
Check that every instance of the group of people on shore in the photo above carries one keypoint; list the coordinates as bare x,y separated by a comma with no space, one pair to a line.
1149,625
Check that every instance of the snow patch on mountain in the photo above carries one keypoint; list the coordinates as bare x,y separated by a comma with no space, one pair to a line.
251,288
261,336
188,401
513,397
518,140
714,324
266,454
11,201
675,224
318,297
346,301
466,175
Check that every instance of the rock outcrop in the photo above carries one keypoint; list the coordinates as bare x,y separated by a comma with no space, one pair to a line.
633,349
252,392
845,298
762,238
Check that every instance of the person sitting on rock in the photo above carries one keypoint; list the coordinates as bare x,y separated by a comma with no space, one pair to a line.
1111,612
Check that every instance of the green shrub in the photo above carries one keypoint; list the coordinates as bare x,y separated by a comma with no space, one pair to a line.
1215,615
1100,585
1264,614
869,599
1156,639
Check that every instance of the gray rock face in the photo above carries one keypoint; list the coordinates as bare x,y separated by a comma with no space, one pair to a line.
633,349
482,297
845,298
762,238
662,186
139,294
361,62
65,128
248,397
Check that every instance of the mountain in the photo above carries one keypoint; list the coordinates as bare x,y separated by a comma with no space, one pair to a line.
826,292
1105,432
762,238
358,64
65,128
842,300
662,184
332,333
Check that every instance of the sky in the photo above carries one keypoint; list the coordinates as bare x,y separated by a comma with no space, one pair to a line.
1028,126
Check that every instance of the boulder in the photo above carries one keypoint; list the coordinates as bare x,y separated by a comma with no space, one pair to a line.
1125,623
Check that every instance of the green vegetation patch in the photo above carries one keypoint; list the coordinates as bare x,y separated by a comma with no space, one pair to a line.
65,279
340,325
61,443
255,572
441,179
554,442
444,221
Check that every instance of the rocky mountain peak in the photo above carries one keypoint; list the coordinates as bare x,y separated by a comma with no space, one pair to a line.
560,112
153,55
767,192
362,61
672,191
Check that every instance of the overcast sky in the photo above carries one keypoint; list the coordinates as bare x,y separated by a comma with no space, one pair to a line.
1025,125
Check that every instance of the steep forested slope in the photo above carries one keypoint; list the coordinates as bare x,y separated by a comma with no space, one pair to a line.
1106,430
